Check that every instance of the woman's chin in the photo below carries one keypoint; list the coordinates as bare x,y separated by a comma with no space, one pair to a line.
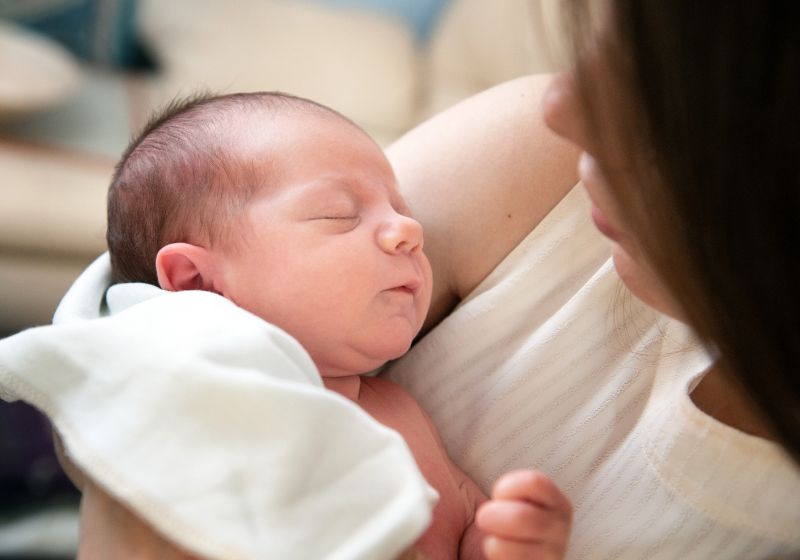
643,282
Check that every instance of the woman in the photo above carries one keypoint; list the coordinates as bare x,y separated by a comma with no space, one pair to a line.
535,354
703,127
686,118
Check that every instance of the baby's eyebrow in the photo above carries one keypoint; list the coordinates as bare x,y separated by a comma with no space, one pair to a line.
328,188
352,188
330,185
356,191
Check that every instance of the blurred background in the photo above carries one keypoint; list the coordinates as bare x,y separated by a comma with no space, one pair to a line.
79,77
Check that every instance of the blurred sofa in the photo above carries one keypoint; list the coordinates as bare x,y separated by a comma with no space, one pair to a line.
387,64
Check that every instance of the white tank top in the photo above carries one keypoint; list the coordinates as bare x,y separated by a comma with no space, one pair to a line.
550,363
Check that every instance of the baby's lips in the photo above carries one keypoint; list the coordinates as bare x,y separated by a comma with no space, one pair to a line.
412,286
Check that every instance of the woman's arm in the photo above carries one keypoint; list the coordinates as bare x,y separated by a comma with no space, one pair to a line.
111,531
108,529
480,177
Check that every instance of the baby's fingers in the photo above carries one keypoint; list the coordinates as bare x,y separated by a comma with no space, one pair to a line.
521,521
527,517
534,487
502,549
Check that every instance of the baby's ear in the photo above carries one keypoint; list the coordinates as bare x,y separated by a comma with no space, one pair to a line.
183,266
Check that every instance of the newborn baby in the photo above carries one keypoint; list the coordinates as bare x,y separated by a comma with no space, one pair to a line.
292,212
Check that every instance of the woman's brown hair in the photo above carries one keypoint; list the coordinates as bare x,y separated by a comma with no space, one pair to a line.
703,100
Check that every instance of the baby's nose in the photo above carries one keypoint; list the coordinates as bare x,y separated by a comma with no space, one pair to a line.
401,234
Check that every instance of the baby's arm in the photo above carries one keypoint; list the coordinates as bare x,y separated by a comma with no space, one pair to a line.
526,517
471,546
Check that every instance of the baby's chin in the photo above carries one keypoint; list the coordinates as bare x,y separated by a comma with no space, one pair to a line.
398,349
363,360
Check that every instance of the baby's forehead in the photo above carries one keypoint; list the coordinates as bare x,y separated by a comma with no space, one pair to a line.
287,117
279,150
302,140
265,133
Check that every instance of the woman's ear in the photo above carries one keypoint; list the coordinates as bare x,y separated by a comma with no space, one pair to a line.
183,266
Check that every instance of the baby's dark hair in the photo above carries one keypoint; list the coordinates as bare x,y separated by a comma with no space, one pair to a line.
179,180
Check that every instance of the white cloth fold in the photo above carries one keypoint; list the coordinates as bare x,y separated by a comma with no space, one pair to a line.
214,426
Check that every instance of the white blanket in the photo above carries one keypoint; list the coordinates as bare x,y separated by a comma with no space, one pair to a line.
213,425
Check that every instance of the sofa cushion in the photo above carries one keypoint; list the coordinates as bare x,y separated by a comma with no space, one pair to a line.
478,45
52,202
361,63
36,72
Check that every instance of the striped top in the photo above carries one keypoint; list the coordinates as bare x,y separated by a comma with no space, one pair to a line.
550,363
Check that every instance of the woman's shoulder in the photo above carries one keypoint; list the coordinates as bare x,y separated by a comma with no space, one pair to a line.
479,177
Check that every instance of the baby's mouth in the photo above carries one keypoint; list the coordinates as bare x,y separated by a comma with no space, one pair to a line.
403,290
411,288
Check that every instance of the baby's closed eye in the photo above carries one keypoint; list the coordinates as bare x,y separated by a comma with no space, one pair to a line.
338,219
343,208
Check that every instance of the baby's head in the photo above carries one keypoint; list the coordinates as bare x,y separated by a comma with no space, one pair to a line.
284,207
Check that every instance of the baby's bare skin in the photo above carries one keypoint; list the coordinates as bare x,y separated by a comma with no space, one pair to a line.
453,533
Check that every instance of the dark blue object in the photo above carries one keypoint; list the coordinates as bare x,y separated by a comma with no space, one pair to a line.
29,470
101,32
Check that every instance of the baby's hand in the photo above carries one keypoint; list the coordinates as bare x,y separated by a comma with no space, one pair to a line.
527,517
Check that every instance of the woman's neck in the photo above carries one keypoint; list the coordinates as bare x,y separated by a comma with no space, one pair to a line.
722,399
348,386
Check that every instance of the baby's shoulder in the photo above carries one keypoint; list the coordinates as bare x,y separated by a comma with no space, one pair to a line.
390,403
384,389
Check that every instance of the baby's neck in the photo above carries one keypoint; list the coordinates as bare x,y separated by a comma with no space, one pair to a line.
348,386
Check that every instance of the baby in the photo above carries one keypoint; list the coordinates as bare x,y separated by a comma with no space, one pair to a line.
291,211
